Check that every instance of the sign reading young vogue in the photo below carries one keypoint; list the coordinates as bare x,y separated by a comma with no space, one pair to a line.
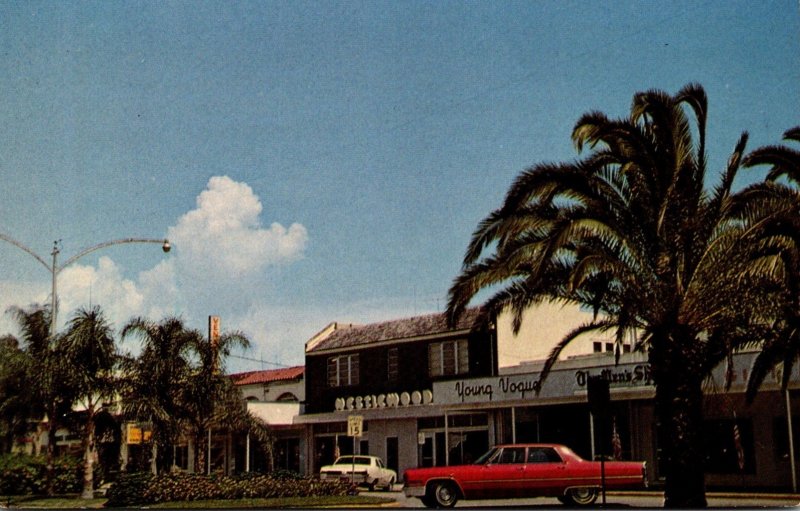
560,383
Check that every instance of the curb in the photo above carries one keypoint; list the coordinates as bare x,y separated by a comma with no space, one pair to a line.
718,495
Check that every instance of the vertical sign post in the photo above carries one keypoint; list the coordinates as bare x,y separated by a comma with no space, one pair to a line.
355,428
599,398
213,339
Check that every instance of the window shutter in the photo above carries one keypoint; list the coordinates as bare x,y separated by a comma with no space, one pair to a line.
435,359
392,367
449,364
354,373
463,356
333,372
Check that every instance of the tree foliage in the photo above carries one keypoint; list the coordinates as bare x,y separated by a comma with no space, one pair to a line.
88,357
50,389
773,210
634,232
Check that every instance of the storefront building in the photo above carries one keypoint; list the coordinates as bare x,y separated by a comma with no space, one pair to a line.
385,372
275,396
432,396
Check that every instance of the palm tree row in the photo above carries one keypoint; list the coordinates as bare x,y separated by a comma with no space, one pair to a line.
176,383
635,233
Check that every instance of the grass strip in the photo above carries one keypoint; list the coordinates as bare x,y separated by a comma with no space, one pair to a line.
349,501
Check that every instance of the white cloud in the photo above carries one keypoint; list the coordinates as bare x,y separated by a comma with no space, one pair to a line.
219,265
224,236
20,294
85,286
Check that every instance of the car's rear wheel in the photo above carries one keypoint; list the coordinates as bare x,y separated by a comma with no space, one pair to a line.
371,486
444,494
579,496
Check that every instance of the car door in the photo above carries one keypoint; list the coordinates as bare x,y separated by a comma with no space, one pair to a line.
503,475
383,474
544,472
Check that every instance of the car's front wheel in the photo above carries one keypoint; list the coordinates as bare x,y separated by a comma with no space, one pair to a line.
443,494
579,496
390,485
427,501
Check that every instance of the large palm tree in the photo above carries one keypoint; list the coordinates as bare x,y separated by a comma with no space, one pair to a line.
207,389
89,356
773,207
153,380
633,232
47,380
16,400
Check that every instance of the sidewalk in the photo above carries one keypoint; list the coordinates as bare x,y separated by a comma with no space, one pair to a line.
713,494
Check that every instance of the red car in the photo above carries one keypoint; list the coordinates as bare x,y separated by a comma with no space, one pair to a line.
522,470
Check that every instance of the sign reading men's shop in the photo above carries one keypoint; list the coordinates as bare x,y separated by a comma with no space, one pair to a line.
621,376
564,383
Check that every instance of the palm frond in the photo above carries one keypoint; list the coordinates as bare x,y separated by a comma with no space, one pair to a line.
552,358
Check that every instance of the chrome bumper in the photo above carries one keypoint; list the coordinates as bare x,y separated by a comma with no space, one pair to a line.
414,491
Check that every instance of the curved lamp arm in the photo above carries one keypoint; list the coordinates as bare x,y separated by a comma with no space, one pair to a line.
165,246
26,249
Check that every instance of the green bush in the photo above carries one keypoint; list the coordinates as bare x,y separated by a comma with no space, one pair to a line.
23,474
143,488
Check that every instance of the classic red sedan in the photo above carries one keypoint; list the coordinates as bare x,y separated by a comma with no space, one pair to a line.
522,470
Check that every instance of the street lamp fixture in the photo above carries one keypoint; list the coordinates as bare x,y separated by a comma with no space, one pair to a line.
55,269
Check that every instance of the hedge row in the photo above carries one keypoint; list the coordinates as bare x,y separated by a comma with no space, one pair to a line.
23,474
144,488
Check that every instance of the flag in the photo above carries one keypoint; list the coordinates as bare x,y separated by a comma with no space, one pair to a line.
616,442
737,442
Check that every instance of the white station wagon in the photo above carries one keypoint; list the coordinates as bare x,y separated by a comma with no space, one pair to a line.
367,471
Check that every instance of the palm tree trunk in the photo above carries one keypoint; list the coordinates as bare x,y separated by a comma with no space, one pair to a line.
89,454
679,403
50,452
154,456
201,444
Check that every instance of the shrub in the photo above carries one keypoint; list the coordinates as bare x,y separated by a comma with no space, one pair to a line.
129,489
23,474
143,488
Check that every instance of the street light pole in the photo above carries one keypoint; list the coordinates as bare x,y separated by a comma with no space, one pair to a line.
55,269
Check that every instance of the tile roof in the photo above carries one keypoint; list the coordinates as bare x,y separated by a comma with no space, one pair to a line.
268,376
418,326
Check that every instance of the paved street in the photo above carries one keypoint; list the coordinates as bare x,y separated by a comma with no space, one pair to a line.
621,500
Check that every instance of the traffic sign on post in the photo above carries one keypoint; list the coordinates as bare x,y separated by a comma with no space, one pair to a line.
355,426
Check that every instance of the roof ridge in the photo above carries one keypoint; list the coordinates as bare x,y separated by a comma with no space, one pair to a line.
393,329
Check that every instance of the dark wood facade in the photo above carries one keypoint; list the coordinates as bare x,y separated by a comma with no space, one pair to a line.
412,368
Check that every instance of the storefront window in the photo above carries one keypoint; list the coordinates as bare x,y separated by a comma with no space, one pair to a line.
467,446
287,454
729,446
780,435
467,439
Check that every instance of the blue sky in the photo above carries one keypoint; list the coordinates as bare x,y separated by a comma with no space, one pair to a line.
326,161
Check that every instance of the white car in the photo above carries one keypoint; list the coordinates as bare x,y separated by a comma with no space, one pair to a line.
368,471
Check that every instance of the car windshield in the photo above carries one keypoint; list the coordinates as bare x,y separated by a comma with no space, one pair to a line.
486,457
348,460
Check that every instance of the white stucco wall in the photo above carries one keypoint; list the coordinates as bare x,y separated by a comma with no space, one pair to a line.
542,328
272,391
